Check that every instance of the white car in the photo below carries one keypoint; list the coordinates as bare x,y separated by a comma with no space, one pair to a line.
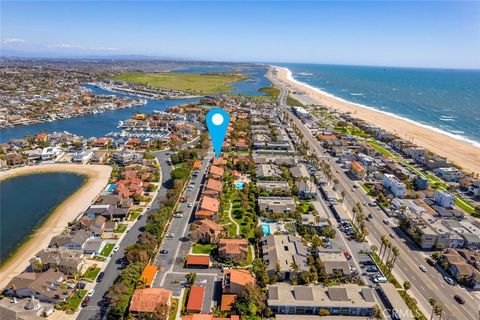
449,281
423,268
190,205
90,292
170,235
379,279
115,249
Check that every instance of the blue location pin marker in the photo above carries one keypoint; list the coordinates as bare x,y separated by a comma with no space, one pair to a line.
217,124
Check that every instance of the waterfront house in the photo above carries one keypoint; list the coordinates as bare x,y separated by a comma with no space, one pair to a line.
51,153
48,286
73,241
67,261
233,249
145,301
82,156
14,159
24,309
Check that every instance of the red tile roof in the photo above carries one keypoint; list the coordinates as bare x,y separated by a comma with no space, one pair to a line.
214,185
146,300
216,171
198,260
210,204
148,274
195,298
228,300
233,246
240,276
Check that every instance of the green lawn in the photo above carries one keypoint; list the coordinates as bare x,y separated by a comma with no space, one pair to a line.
91,274
74,300
107,249
193,83
121,228
134,214
203,248
380,149
173,309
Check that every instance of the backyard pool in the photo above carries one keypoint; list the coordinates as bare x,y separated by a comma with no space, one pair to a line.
239,185
265,229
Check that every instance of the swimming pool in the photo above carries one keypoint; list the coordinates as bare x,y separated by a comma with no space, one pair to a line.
239,185
266,229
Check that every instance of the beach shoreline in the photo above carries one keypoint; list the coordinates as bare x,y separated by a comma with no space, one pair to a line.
460,152
68,210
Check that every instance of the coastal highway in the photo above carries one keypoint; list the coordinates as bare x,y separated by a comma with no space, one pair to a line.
98,308
424,285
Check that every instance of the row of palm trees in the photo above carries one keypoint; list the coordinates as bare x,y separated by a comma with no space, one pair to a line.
359,218
388,254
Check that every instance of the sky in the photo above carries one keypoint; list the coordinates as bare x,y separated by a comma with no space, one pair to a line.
387,33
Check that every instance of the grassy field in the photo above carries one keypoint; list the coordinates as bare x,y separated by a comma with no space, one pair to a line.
274,92
193,83
203,248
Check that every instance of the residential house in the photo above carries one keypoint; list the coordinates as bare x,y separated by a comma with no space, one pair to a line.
208,231
276,204
197,261
275,187
216,172
345,300
208,204
334,262
24,309
145,301
306,189
394,185
299,172
74,241
284,251
444,199
233,249
67,261
268,171
357,170
48,286
195,299
82,156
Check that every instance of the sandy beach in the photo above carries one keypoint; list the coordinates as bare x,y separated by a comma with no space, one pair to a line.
67,211
457,151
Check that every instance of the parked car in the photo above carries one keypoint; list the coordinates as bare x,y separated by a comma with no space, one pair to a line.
100,276
163,251
371,269
170,235
392,235
115,249
423,268
449,280
86,301
379,279
430,261
386,221
90,292
190,204
459,299
81,285
370,216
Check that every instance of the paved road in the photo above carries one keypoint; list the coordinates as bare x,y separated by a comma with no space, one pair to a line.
97,308
425,285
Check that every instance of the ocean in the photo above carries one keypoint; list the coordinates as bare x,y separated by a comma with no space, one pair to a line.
26,201
445,100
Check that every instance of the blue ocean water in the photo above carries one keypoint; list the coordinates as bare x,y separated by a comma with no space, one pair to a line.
447,100
18,218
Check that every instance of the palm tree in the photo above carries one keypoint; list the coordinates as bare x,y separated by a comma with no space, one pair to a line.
383,241
433,303
387,244
438,310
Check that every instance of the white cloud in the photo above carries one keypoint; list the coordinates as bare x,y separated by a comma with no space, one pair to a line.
13,41
104,49
66,46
